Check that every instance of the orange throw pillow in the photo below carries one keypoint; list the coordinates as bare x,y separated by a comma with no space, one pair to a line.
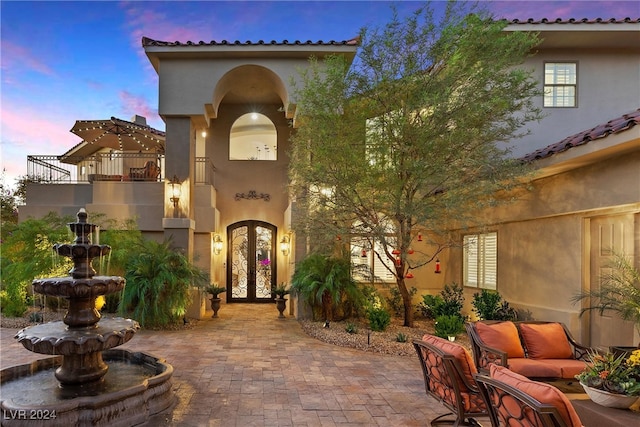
546,341
501,336
543,393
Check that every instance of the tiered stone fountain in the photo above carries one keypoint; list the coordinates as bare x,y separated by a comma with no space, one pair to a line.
84,389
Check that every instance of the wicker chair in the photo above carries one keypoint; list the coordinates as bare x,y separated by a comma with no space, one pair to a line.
448,377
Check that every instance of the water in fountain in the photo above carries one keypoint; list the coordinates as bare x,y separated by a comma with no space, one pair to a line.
83,343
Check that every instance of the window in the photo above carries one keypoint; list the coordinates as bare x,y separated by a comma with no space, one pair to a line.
560,83
378,267
480,264
253,137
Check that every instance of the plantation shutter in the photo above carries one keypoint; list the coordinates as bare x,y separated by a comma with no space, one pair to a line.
490,261
480,263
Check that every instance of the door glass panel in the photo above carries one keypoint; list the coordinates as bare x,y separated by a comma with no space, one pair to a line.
264,238
239,261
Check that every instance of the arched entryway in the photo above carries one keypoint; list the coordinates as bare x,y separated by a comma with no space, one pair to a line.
251,263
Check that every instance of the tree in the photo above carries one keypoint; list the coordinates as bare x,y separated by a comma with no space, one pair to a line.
407,137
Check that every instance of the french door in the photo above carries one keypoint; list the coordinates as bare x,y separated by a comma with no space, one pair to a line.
251,266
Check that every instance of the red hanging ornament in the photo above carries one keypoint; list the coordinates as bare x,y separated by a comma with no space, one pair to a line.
364,253
409,275
438,267
419,237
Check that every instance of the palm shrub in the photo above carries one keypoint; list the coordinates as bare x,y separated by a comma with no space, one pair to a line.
325,283
619,291
158,283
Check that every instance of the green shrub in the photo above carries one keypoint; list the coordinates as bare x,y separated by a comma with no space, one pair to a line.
453,301
449,326
351,328
395,300
488,305
430,306
401,337
379,319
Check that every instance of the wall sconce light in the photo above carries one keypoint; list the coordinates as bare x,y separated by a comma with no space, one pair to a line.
176,190
363,254
204,133
285,245
419,237
217,244
437,266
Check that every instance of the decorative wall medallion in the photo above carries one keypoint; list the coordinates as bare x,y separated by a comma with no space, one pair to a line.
253,195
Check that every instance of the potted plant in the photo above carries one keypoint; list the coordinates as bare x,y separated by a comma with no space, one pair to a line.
611,380
619,291
281,302
215,290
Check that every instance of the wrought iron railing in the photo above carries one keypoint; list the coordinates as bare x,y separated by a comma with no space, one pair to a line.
108,167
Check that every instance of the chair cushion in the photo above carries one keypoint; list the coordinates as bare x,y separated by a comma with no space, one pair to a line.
545,341
501,336
543,393
461,354
569,368
534,368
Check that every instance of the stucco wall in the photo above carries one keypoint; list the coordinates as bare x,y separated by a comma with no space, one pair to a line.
607,88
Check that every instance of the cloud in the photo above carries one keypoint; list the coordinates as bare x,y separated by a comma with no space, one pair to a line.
19,59
27,132
133,104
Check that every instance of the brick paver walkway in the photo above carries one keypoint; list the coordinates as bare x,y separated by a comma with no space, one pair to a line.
249,368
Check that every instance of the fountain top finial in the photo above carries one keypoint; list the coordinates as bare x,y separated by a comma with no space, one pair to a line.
82,251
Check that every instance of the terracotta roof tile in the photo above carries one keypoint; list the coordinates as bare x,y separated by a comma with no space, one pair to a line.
617,125
576,21
150,42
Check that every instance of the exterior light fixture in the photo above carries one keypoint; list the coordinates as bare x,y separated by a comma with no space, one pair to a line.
217,244
437,266
285,245
204,133
363,254
176,190
419,237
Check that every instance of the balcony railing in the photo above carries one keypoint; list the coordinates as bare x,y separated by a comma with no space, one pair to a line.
109,167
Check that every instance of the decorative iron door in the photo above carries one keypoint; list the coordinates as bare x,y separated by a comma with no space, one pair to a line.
251,266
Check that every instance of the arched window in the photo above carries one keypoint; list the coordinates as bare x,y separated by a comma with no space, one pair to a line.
253,137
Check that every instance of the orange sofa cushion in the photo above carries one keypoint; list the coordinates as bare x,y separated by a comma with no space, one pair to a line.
501,336
545,341
459,352
532,368
543,393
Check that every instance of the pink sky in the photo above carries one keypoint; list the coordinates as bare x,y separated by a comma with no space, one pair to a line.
65,61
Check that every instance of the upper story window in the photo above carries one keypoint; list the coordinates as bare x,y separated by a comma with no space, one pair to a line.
253,137
480,263
560,84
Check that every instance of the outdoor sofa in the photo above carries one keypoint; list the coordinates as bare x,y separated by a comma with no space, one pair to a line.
534,349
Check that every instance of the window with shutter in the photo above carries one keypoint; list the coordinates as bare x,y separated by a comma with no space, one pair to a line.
480,263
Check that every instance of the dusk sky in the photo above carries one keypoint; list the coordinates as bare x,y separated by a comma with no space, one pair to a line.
72,60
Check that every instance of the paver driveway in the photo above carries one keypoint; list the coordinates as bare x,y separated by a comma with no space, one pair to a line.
249,368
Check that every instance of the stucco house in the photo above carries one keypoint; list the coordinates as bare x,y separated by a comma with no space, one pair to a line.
229,111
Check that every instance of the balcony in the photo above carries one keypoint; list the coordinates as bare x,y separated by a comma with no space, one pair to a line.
110,166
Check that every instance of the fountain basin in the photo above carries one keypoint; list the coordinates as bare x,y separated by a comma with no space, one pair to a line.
136,387
57,339
69,287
